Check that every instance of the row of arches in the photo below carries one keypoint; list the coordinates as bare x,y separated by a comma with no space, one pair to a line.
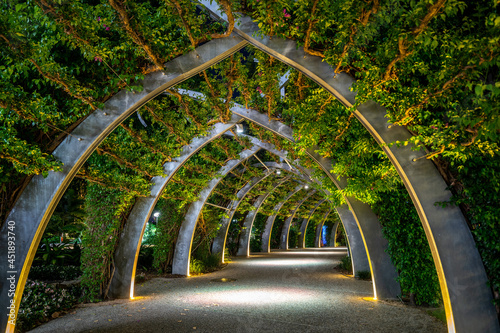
458,264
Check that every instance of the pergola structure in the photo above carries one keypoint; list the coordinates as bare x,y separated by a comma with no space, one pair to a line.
463,281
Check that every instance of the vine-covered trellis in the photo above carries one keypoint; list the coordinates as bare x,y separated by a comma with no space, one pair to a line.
434,65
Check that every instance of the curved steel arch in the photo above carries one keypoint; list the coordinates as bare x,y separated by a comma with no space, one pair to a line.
36,204
304,224
182,252
333,237
268,227
129,245
220,240
285,231
464,285
379,262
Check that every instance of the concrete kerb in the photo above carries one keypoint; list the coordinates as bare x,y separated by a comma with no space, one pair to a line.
36,204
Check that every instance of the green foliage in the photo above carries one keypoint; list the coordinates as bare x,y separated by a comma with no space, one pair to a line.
40,301
439,78
51,253
408,247
276,232
364,275
106,212
196,267
209,263
167,227
346,264
257,230
54,273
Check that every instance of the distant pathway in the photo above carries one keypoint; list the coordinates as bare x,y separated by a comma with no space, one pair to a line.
293,291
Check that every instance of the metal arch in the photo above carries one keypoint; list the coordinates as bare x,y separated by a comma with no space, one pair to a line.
127,252
464,285
182,253
36,204
319,229
244,242
285,231
359,258
304,224
219,244
359,217
383,272
266,235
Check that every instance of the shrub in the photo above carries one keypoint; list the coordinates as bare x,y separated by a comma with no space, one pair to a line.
364,275
196,266
40,302
346,264
54,273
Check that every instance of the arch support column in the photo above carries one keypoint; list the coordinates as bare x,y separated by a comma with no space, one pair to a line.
285,231
182,253
219,244
305,223
244,243
127,252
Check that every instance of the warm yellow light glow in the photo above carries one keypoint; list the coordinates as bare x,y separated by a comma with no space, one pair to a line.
370,299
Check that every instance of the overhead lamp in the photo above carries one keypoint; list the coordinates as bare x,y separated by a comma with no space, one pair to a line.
278,172
156,214
239,128
306,187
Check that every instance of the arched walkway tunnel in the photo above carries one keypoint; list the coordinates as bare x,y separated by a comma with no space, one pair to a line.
241,139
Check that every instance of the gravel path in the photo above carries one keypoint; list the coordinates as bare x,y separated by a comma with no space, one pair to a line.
293,291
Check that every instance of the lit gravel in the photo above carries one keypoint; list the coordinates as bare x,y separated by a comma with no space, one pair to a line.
293,291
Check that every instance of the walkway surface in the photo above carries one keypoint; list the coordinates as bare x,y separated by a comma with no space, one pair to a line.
293,291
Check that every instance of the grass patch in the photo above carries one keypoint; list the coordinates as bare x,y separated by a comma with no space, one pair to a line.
438,313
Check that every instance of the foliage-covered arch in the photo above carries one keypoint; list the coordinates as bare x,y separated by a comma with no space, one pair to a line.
470,128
